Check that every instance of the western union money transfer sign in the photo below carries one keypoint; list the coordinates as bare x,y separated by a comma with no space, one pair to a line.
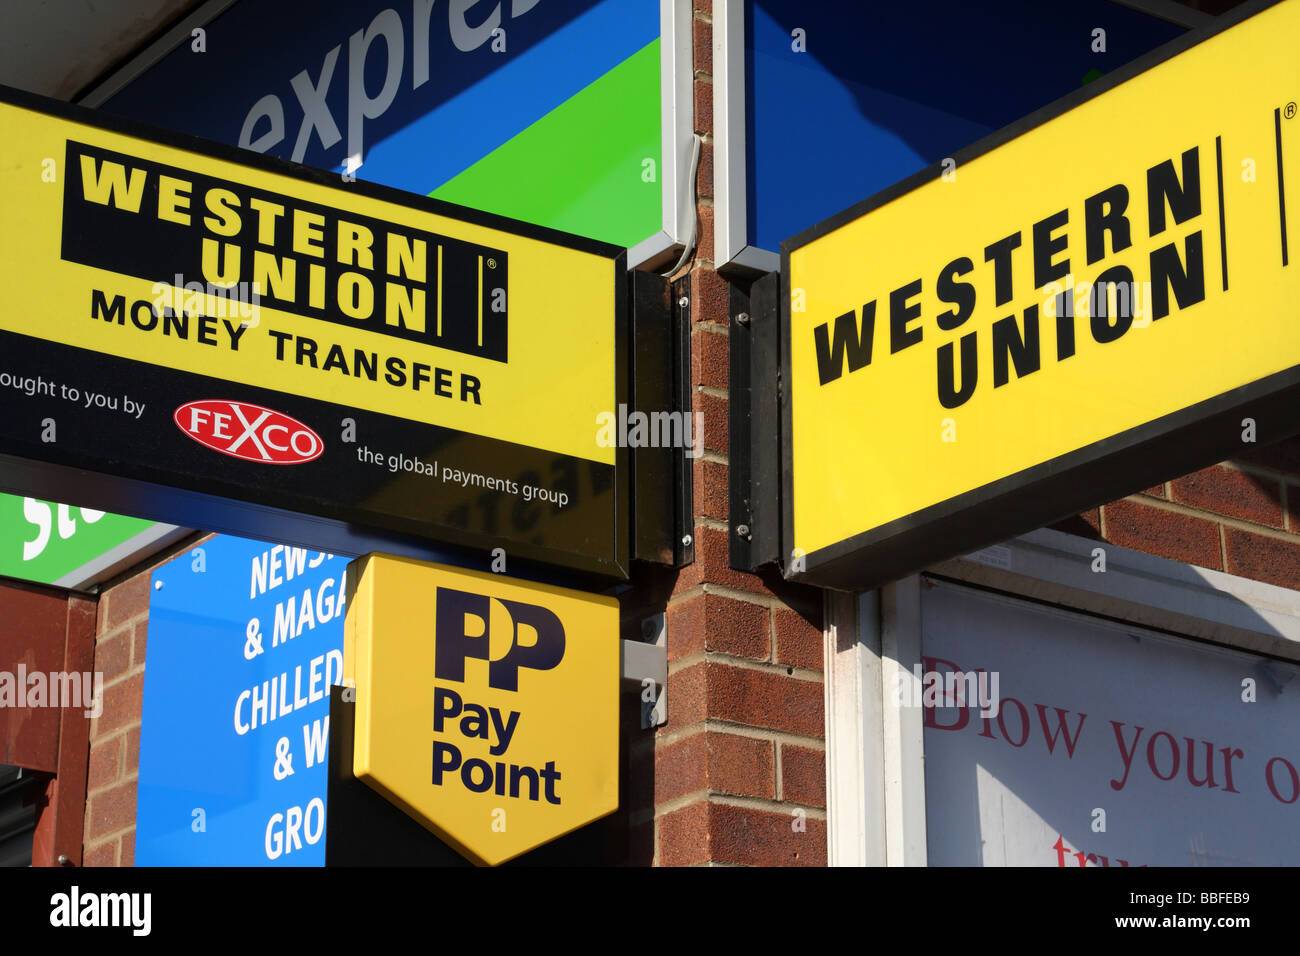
194,315
1068,313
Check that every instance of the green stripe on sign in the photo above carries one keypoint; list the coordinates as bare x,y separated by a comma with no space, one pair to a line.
582,167
43,541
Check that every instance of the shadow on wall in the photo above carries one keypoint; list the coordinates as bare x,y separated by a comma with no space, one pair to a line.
1180,519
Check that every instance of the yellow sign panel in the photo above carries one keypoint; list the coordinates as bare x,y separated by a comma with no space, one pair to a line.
323,291
486,708
305,341
1013,332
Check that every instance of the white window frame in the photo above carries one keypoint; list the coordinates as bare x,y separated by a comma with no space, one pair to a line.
875,755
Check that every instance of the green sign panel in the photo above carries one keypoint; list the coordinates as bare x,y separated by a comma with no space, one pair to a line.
70,547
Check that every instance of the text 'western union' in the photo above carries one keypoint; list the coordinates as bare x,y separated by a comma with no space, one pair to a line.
144,219
1173,272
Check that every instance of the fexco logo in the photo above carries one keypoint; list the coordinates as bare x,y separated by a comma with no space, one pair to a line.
247,431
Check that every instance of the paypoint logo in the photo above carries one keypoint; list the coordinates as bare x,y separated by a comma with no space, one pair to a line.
454,645
498,734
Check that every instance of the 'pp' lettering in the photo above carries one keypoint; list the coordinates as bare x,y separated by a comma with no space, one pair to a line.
458,639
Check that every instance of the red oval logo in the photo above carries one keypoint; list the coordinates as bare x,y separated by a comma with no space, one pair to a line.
248,431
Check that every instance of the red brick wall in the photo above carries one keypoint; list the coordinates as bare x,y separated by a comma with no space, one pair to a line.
738,773
120,638
1240,516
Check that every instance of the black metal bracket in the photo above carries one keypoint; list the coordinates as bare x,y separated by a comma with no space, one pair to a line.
754,423
662,490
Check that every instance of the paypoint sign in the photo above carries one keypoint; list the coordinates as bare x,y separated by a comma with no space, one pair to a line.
1071,312
486,707
189,314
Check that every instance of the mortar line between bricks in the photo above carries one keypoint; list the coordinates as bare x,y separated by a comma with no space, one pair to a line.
695,590
678,734
722,725
105,787
1187,510
121,748
778,788
801,673
771,636
115,835
714,457
770,601
1286,508
711,390
718,724
111,735
681,664
130,622
721,331
770,806
89,849
681,803
116,856
721,657
117,631
768,667
121,678
1223,546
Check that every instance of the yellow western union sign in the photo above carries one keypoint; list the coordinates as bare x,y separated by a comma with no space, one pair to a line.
403,363
1069,313
125,246
486,707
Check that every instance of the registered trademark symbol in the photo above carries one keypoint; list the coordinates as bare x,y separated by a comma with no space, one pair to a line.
492,263
1289,110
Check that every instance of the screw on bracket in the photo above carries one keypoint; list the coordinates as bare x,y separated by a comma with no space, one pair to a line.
683,302
686,540
742,530
743,318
